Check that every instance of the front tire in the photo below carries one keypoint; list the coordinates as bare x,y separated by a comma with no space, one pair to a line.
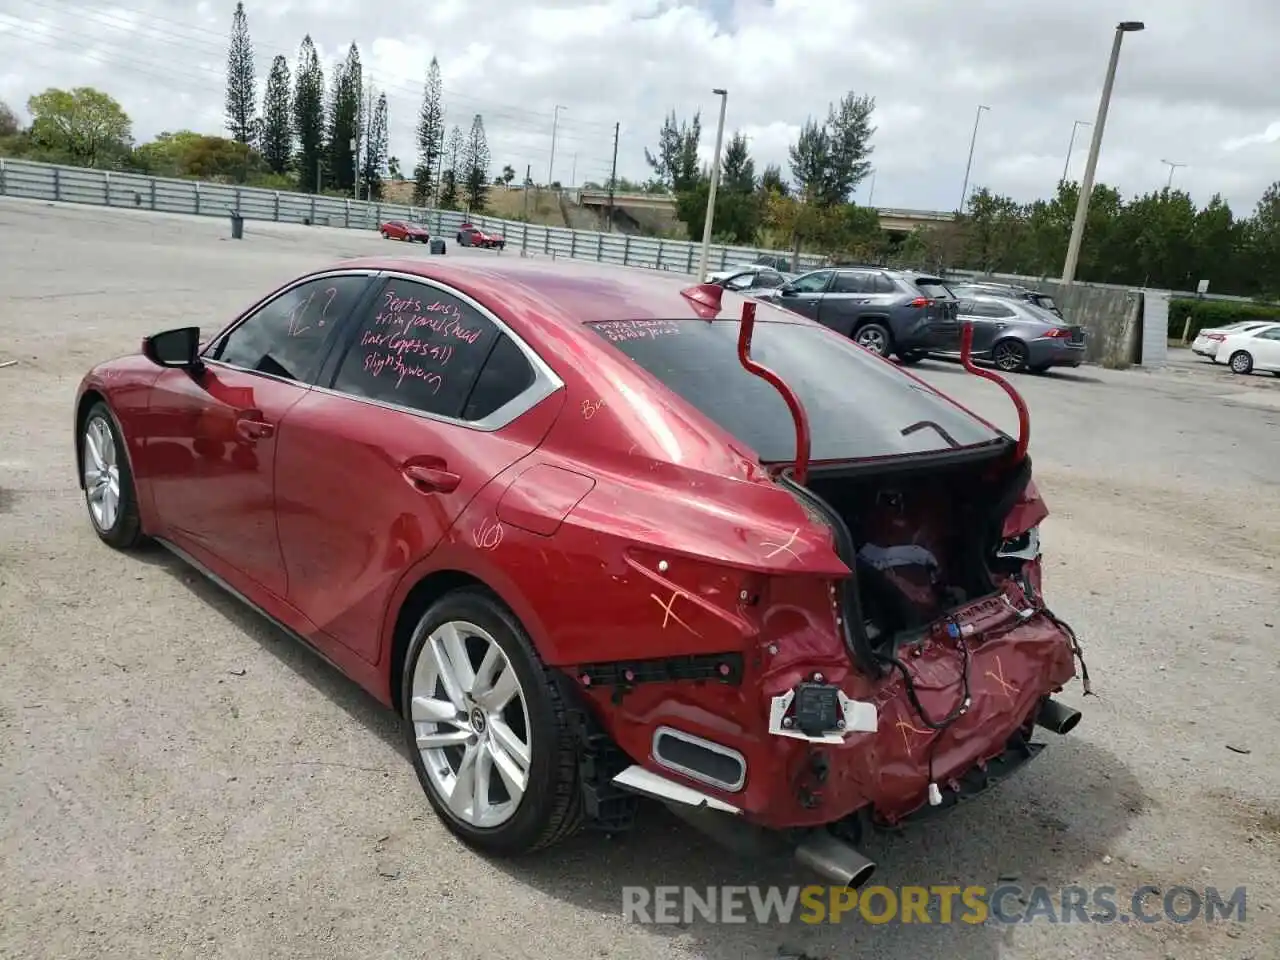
385,235
1241,362
109,493
487,728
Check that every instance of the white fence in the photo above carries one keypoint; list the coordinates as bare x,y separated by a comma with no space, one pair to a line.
43,181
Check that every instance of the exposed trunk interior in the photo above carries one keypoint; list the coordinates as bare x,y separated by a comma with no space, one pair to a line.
922,539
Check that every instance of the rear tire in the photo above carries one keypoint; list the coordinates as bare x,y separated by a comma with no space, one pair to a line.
1009,356
874,336
108,482
476,693
909,358
1241,362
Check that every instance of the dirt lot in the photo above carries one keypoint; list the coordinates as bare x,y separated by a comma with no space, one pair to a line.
177,779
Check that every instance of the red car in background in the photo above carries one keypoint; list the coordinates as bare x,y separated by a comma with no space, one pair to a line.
595,537
469,235
405,230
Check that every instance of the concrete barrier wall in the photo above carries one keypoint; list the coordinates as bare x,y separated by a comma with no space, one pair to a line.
1112,316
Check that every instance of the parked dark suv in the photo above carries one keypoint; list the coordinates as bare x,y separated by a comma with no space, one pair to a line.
886,311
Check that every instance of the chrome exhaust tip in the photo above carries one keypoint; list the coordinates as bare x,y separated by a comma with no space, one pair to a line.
834,860
1057,717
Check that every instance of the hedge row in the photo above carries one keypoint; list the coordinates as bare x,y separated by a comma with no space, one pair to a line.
1215,313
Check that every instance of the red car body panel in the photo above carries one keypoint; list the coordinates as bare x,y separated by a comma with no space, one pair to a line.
615,520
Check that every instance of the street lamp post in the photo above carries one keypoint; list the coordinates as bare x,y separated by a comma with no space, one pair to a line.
964,191
1071,146
555,122
871,190
1172,165
1086,184
715,182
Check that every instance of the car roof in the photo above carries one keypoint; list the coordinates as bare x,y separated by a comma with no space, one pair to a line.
568,293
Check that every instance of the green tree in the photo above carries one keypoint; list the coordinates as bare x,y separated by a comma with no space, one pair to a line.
374,164
277,119
508,174
675,165
810,158
430,137
475,165
738,170
345,95
308,116
771,181
241,81
10,125
449,174
83,126
849,133
1261,247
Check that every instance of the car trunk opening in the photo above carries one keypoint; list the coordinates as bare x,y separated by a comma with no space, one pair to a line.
923,537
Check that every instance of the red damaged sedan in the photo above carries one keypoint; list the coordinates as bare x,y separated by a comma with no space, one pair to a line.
469,235
596,537
404,230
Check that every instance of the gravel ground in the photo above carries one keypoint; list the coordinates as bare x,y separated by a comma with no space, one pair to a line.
177,779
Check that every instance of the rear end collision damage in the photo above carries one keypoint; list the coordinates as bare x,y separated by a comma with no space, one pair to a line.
898,691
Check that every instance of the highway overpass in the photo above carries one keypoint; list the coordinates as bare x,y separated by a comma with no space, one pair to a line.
893,220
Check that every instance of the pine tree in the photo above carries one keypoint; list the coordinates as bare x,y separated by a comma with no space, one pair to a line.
277,122
475,165
241,81
430,137
374,162
308,116
449,174
345,94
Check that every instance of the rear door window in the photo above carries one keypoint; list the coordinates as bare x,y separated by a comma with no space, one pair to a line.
858,405
852,281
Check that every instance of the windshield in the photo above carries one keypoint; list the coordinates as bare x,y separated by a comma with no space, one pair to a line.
858,405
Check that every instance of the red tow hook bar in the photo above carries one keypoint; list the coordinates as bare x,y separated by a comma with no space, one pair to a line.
1024,415
800,470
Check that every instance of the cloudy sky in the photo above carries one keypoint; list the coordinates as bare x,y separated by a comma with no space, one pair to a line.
1197,87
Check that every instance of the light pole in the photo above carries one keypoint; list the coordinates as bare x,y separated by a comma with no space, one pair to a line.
1071,146
871,192
1086,184
555,121
715,182
968,166
1172,165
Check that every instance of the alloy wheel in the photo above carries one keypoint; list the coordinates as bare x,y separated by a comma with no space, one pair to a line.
1008,356
872,339
101,473
471,723
1241,362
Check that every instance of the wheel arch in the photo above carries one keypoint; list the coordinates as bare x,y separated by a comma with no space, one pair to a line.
426,591
86,403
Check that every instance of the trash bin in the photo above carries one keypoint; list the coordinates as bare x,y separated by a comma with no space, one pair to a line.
437,246
237,226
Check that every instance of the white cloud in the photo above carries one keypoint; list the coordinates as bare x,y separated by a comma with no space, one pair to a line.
1192,86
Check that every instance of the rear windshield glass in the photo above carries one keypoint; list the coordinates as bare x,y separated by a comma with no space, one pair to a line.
934,288
1046,302
858,405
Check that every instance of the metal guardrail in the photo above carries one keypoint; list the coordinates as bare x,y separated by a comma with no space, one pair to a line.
45,181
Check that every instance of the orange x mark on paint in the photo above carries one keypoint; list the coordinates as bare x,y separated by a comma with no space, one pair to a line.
1007,688
668,614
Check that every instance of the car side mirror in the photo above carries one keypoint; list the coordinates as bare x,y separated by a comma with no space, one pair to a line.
786,290
174,348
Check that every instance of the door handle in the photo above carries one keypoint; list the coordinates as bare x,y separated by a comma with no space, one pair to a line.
431,479
251,430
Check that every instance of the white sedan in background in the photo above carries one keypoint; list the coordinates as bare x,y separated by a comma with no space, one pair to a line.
1208,341
1257,349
